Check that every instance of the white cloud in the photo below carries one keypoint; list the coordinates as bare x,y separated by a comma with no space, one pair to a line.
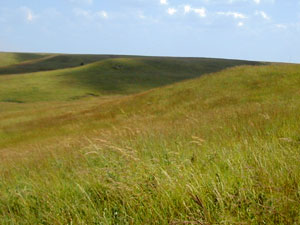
240,24
29,15
164,2
103,14
187,9
263,15
257,1
235,15
200,11
171,11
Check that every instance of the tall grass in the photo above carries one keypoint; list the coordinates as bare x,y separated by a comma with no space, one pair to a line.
221,149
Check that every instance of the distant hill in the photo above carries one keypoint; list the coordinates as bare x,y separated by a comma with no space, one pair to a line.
69,77
7,58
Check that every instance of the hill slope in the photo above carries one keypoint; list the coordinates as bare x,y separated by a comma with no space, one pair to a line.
52,62
111,75
7,59
219,149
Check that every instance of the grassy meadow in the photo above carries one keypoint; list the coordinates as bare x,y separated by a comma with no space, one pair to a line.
146,140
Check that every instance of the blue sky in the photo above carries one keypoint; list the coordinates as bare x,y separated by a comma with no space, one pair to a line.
267,30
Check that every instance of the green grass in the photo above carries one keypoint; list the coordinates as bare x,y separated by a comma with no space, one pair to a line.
7,59
114,76
52,62
219,149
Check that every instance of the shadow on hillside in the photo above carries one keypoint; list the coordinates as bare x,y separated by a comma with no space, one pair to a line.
21,57
49,63
135,74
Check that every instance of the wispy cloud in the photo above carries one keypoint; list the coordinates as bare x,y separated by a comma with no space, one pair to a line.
235,15
240,24
200,11
89,14
102,14
187,9
29,15
245,1
83,13
263,15
281,26
141,15
164,2
89,2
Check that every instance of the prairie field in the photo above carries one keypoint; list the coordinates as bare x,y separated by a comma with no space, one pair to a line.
107,139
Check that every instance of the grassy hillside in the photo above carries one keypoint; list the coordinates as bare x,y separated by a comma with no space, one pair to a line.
7,59
219,149
112,76
52,62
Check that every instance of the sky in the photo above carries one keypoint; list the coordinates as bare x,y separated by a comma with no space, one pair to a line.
265,30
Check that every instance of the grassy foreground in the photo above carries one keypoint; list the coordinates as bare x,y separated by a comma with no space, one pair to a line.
220,149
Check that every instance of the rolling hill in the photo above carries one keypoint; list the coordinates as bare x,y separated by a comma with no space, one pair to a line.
167,141
62,77
7,58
